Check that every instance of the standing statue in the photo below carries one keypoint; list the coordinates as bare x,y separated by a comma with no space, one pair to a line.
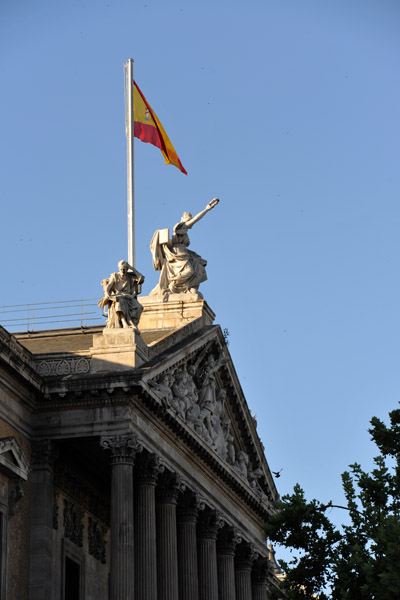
182,270
120,292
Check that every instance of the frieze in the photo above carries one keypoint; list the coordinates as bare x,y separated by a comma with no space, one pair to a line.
96,540
63,366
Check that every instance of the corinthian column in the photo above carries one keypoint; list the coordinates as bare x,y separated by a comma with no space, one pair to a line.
244,558
188,510
168,490
228,538
41,585
123,450
146,474
259,577
210,521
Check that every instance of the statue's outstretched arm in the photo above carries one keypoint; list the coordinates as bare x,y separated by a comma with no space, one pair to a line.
189,224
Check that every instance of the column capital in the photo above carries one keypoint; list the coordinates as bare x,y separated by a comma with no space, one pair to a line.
148,468
210,522
260,571
190,503
245,556
170,485
122,448
228,538
44,453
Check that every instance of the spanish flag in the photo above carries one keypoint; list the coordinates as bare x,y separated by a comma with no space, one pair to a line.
148,128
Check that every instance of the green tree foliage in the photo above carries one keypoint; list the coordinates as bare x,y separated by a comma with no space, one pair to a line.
360,560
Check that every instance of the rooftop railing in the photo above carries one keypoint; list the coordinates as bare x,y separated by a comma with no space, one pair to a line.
51,315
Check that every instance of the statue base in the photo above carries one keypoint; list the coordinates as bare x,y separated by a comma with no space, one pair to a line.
118,350
180,310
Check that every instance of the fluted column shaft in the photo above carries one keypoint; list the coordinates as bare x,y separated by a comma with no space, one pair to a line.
259,578
226,543
145,528
244,559
123,450
167,551
209,523
187,547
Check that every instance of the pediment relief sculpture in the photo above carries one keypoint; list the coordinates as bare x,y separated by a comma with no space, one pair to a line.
193,392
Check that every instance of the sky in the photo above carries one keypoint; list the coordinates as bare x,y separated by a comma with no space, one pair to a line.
287,110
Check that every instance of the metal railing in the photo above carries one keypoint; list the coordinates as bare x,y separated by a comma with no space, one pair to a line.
51,315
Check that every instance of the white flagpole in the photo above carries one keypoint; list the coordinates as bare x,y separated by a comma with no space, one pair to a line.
129,157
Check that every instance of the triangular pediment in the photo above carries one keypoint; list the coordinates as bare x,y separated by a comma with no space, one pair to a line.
195,381
12,460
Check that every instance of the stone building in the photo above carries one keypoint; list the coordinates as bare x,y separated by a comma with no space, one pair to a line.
130,465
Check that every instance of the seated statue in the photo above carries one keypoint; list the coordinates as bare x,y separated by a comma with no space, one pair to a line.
120,291
182,270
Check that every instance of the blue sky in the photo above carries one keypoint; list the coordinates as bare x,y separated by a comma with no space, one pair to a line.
285,109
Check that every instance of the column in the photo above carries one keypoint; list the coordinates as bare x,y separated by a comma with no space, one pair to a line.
259,579
187,513
168,489
228,538
244,558
147,471
123,450
210,521
41,576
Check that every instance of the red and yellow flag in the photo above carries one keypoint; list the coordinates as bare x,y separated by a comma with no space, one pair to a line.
148,128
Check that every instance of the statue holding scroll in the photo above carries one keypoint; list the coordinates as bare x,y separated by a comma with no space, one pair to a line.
182,270
120,292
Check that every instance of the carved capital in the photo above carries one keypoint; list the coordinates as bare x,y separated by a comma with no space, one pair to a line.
148,468
169,487
122,448
210,522
260,571
190,503
228,539
245,556
43,454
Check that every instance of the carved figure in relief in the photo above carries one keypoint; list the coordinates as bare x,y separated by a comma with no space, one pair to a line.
242,460
182,270
163,389
120,297
207,397
180,401
230,448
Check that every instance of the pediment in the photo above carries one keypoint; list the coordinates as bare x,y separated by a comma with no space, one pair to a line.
196,382
12,460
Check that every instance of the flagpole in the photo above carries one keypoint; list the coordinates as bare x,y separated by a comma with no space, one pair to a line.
129,157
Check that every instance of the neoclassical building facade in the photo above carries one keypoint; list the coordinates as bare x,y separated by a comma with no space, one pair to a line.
130,465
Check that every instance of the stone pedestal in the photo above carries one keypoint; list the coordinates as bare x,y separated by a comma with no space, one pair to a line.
123,451
146,474
209,523
117,350
167,549
180,310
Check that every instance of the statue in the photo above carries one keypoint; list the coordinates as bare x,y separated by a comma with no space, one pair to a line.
120,292
182,270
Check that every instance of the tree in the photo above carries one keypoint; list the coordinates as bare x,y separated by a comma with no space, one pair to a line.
358,561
